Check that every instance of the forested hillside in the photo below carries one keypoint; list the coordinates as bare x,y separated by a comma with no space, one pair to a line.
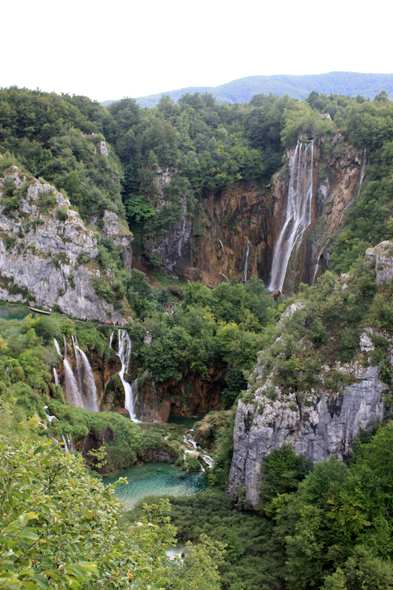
298,385
243,89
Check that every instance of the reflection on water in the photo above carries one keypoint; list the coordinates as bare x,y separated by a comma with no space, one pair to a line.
158,479
15,312
181,421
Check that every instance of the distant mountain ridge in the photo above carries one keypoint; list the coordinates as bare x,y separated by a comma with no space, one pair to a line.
243,89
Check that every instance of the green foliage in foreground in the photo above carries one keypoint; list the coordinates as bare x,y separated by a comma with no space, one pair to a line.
251,561
330,529
60,529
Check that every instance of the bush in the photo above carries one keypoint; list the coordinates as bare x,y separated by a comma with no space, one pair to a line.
61,213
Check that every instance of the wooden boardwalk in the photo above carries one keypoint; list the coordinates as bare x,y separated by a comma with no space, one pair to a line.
40,310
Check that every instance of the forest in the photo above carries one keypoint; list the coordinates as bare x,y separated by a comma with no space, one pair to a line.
327,526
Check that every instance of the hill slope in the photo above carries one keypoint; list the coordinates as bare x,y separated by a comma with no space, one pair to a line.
243,89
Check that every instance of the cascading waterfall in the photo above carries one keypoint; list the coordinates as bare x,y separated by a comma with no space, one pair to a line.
244,277
57,347
90,390
124,353
317,266
225,277
78,363
362,174
154,396
72,392
110,339
298,214
222,248
82,394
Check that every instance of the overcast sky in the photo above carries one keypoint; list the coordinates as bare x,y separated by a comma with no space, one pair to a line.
108,50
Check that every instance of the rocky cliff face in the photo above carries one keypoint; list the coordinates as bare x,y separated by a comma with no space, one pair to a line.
47,255
111,227
318,427
212,247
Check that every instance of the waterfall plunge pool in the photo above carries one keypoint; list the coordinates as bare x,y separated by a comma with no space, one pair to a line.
158,479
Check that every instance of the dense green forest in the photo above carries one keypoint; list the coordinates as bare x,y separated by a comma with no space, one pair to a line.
329,527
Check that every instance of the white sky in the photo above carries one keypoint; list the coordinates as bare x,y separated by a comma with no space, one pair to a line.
108,50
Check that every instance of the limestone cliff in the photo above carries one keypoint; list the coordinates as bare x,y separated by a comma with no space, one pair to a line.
47,255
322,425
243,222
321,419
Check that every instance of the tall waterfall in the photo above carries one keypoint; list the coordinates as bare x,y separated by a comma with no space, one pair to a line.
72,391
124,353
244,276
90,402
298,214
111,338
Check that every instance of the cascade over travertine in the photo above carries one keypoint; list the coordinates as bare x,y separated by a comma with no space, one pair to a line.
298,213
124,353
80,390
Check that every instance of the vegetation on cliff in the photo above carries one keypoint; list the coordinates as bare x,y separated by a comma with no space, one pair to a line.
329,528
60,528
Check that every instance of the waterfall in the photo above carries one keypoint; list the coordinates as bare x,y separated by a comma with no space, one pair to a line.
65,347
298,214
222,248
225,277
362,175
244,277
124,354
57,382
110,339
73,395
67,443
57,347
317,265
89,389
78,363
154,397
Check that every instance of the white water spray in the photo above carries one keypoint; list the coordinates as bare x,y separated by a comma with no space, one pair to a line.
78,363
124,353
72,392
55,375
244,276
317,266
298,214
90,389
57,347
110,339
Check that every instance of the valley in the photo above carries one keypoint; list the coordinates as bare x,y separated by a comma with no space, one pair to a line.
197,297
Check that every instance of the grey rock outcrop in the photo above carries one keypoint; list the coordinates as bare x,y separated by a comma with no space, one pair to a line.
382,257
111,227
45,258
326,427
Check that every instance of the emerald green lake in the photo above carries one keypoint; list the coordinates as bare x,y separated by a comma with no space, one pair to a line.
15,312
157,479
